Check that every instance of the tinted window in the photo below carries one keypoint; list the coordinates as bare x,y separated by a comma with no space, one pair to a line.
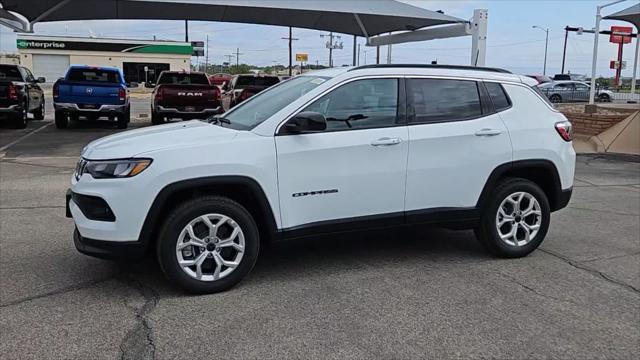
171,78
360,104
498,96
444,100
244,81
10,73
97,75
566,86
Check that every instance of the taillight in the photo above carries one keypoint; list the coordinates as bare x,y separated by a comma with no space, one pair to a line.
122,94
216,94
56,90
13,92
159,94
244,95
565,129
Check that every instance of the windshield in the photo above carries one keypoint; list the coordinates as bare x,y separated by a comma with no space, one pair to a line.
10,73
260,107
244,81
168,78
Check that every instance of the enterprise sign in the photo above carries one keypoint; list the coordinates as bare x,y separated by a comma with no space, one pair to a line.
161,48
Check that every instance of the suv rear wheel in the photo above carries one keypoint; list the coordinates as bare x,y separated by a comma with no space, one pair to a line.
208,244
515,220
38,114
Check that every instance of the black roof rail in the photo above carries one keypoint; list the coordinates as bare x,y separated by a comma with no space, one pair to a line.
432,66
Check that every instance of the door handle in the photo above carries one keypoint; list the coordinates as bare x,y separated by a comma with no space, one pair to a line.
386,141
488,132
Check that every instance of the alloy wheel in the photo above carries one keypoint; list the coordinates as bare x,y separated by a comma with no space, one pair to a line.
210,247
518,219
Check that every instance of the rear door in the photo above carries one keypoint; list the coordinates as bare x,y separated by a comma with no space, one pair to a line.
354,172
456,141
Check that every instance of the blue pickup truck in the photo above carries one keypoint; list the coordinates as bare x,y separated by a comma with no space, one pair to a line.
91,92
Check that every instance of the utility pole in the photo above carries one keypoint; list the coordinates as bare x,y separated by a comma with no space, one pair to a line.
564,50
186,31
377,54
291,39
546,45
206,56
238,56
229,57
332,45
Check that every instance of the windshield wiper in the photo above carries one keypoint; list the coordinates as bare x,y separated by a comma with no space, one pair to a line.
218,120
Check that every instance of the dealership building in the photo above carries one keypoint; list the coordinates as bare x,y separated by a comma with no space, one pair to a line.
139,60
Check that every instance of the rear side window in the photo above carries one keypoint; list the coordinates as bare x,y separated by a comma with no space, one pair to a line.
498,96
440,100
169,78
97,75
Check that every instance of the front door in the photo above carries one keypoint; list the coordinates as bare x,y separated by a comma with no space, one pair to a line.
354,171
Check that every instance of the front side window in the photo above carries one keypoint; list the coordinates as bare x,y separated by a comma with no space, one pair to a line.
440,100
360,104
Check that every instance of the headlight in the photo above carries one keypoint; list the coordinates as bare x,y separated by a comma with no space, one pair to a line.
109,169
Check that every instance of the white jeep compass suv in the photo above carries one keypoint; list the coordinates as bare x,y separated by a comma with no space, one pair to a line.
336,150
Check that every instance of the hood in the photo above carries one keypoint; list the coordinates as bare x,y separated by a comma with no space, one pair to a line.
135,142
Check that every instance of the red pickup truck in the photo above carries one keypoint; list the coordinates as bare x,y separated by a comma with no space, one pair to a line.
184,95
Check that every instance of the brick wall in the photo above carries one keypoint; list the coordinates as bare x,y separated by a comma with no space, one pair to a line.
592,124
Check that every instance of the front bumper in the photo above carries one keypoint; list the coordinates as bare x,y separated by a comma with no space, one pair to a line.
109,250
103,109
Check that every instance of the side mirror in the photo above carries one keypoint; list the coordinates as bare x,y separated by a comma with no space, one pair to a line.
133,84
41,80
306,121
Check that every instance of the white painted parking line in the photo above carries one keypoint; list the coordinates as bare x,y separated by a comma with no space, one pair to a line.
22,138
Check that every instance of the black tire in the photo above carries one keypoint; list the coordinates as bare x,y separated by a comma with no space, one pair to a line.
156,119
604,98
190,210
123,120
38,114
61,119
555,98
19,118
487,231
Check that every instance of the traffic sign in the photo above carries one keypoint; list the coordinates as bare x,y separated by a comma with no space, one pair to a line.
303,57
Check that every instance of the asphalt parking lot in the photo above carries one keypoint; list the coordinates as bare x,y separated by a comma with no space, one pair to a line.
424,293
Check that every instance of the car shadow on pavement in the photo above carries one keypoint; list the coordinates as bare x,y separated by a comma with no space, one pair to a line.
327,255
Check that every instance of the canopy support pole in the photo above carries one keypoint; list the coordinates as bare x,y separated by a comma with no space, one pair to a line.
635,65
479,26
355,49
50,11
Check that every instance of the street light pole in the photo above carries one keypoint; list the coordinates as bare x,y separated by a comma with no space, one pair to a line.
546,46
594,61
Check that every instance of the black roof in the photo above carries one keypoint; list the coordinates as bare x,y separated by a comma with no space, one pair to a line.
432,66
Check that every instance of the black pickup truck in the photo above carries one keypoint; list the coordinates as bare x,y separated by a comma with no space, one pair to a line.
20,94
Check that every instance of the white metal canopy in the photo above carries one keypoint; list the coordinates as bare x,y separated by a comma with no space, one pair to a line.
361,18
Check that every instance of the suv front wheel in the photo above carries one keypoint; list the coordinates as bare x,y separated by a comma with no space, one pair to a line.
515,220
208,245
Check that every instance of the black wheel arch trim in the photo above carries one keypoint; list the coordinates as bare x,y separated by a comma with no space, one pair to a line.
155,212
556,198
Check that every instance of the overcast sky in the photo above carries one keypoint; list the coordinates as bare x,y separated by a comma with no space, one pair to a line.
512,42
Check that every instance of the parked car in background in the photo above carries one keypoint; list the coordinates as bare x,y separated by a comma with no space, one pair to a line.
574,77
243,87
570,91
20,95
541,79
92,92
220,78
184,95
